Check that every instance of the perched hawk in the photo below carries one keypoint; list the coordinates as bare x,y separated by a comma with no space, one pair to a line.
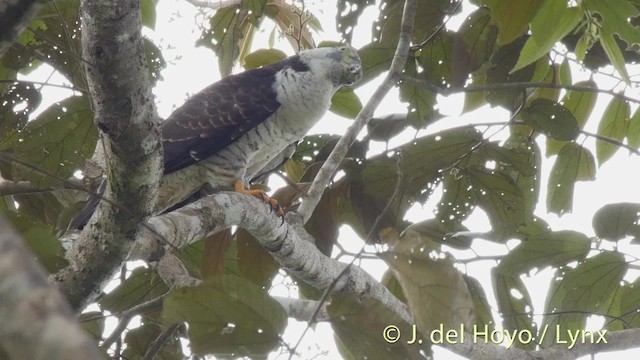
247,123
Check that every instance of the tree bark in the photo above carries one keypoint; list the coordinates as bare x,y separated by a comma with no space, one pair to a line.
124,111
33,311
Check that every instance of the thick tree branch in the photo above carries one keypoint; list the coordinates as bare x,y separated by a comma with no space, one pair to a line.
33,311
286,242
125,113
14,17
330,166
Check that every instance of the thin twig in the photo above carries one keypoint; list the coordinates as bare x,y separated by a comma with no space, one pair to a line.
512,85
68,87
328,169
325,295
126,316
159,342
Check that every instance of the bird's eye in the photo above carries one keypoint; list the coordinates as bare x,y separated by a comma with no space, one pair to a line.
342,48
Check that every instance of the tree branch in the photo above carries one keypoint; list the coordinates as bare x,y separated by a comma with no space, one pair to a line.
512,85
213,4
125,113
286,242
328,169
33,311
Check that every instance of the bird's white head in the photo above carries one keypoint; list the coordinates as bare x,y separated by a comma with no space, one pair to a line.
340,64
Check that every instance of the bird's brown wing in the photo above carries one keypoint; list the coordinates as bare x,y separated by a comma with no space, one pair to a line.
221,113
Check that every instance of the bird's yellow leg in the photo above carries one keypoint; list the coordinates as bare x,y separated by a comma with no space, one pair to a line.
238,186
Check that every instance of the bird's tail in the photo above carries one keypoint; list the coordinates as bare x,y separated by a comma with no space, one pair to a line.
80,220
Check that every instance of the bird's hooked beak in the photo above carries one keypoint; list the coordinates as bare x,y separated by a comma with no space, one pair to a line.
354,73
351,64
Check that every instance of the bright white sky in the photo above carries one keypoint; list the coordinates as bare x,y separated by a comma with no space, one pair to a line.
190,69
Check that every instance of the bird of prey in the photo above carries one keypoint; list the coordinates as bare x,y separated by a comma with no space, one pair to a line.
247,124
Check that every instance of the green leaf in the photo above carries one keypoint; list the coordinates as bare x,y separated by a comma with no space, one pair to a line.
482,306
574,163
227,315
384,128
148,13
614,54
479,39
346,103
430,232
629,304
141,285
499,197
58,141
514,303
376,59
581,104
551,119
93,323
436,60
574,293
155,60
458,199
613,125
555,248
263,57
616,17
552,22
633,132
140,339
41,240
421,109
436,291
359,327
422,161
229,29
512,17
617,221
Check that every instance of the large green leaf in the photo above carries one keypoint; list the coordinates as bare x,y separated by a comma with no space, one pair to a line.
610,47
633,131
230,28
545,249
478,40
57,142
551,119
431,13
615,20
421,109
376,59
436,59
263,57
552,22
574,293
514,304
613,125
227,315
574,163
422,161
629,304
142,285
435,290
512,17
499,197
581,104
362,330
617,221
346,103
